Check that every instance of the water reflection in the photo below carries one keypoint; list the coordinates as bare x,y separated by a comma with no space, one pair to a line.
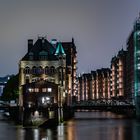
85,126
136,130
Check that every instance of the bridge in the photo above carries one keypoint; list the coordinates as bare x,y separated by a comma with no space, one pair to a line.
120,107
107,105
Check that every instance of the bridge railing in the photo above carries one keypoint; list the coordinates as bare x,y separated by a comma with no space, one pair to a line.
103,103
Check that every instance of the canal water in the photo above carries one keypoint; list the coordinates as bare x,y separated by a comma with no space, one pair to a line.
94,125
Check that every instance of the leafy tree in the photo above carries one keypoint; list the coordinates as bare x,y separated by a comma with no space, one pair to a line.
10,91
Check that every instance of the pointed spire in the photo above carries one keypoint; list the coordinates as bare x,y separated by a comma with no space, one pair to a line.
59,50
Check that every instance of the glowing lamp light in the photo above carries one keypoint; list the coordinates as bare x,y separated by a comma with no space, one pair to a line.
36,113
47,98
30,89
29,105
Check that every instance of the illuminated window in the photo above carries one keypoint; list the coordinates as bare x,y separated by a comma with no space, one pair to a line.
49,89
36,89
44,89
31,90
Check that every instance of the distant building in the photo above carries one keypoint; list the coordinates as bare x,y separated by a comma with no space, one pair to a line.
136,36
118,75
103,83
3,82
94,85
84,87
71,68
53,62
130,67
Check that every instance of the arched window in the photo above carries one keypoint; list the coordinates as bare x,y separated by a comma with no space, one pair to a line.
34,70
39,70
43,55
27,70
52,70
47,71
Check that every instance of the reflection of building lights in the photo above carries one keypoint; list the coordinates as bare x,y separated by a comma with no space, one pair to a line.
60,130
36,134
49,134
44,138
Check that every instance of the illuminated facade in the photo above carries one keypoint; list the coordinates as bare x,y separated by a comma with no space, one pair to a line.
118,75
71,68
40,94
84,92
94,85
53,62
103,83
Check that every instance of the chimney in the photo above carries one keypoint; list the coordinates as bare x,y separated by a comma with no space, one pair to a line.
30,44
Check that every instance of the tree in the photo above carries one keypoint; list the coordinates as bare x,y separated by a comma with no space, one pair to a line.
10,91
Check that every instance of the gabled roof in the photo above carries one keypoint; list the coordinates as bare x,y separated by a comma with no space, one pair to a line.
41,47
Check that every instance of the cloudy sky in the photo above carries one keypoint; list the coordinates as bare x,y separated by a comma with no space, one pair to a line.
100,28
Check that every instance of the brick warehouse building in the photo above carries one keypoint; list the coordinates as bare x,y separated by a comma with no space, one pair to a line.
118,75
53,62
124,76
94,85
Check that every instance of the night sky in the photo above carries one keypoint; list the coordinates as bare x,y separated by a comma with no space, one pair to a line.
100,28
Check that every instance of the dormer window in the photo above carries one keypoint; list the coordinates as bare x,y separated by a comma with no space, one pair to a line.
43,55
31,56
